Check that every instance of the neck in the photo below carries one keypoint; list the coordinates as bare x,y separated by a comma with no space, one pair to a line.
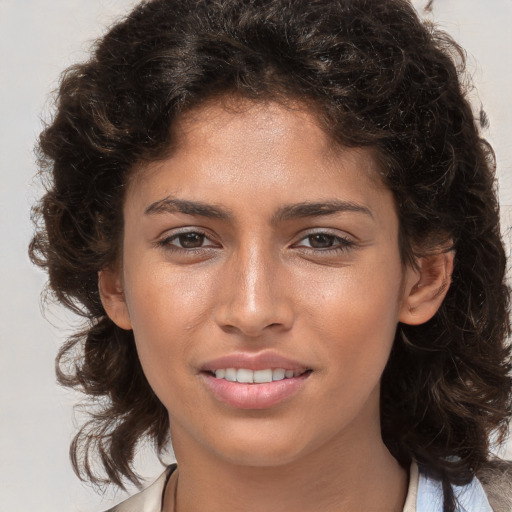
339,477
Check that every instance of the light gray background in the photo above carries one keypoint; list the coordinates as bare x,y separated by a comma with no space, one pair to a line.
38,38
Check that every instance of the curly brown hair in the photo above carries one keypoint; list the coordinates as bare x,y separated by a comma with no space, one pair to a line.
377,77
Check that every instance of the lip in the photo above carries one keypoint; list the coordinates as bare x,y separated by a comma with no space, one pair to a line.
256,361
254,396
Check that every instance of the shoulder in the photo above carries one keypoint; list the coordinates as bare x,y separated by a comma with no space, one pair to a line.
148,500
496,479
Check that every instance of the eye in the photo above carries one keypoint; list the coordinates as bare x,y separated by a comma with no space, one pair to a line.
321,241
325,242
186,240
189,240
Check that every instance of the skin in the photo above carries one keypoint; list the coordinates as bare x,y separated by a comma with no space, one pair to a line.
326,290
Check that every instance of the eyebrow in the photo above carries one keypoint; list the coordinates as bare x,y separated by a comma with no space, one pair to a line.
171,205
284,213
318,209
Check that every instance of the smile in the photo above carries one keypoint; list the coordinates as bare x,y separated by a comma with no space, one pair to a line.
254,389
248,376
261,380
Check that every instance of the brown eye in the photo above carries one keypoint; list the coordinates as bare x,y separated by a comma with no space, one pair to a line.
187,241
324,243
321,241
190,240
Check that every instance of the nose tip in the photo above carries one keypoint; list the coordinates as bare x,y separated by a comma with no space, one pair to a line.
253,323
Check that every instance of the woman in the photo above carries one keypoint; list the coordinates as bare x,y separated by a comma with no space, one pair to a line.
280,223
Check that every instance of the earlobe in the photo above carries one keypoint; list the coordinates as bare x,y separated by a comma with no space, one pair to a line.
426,288
112,297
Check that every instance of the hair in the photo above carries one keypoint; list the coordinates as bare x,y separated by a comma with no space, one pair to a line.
376,77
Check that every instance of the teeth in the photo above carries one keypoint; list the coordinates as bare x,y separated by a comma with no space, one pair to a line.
261,376
278,374
247,376
230,374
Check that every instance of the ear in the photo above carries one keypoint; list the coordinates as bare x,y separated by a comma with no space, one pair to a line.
112,297
426,288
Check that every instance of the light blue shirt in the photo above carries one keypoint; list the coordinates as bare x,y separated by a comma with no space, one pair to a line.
470,497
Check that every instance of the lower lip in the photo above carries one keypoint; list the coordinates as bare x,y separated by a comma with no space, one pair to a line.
254,396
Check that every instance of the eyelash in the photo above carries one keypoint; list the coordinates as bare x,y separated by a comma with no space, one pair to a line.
342,243
167,241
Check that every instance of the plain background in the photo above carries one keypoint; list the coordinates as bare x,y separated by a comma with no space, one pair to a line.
38,39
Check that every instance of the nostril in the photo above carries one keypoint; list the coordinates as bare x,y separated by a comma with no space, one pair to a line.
252,319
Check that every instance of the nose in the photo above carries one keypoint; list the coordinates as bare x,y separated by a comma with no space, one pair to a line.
254,297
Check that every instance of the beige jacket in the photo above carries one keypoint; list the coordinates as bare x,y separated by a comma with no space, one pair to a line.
497,482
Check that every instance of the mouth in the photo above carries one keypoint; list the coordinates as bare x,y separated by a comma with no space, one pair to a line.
243,388
262,380
248,376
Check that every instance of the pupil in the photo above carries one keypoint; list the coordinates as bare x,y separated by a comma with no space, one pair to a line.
321,241
191,240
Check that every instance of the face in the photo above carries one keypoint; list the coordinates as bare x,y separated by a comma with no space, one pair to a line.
261,276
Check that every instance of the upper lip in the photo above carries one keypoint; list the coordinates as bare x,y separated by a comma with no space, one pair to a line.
253,361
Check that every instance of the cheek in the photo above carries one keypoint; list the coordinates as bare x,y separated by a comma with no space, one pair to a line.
362,296
165,299
166,309
356,314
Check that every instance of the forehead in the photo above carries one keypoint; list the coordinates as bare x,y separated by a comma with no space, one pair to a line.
270,121
236,132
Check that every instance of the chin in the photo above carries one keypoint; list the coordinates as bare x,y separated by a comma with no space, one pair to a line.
262,447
